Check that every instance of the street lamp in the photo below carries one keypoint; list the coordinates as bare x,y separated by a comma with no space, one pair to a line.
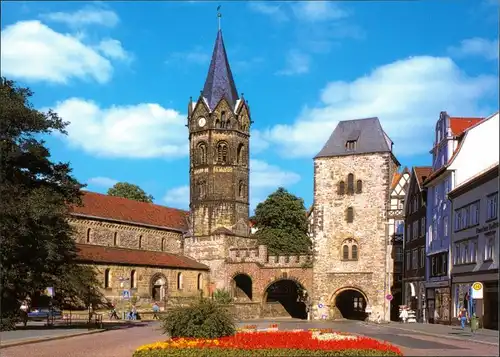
306,299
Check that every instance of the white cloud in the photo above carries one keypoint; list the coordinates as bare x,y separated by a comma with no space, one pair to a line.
296,63
264,178
144,130
275,11
178,197
84,17
477,47
32,51
197,55
315,11
406,95
113,49
102,181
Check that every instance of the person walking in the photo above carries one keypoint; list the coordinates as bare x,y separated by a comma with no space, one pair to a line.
156,309
24,312
463,317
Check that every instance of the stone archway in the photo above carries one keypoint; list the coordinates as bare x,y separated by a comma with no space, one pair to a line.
350,303
158,287
283,298
242,287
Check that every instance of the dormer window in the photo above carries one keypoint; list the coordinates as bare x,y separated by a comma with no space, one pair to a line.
350,145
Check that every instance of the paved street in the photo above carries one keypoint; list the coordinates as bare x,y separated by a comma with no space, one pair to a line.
413,339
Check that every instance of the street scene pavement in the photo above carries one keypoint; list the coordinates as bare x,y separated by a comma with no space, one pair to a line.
413,339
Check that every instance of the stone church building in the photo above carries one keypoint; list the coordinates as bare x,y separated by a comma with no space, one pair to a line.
164,254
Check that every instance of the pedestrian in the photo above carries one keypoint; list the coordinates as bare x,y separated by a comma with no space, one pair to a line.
24,312
134,313
156,309
404,314
463,317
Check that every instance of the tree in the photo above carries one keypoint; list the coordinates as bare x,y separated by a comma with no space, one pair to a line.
38,250
130,191
281,224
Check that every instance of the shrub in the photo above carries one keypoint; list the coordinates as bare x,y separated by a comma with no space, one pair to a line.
222,296
8,323
204,319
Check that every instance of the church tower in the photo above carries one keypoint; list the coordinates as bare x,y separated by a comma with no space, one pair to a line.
219,127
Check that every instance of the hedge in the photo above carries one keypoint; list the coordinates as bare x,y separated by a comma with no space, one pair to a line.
231,352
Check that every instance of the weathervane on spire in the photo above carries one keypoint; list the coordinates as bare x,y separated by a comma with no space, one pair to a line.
219,15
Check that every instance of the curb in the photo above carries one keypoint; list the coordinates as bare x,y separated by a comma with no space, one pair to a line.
29,341
439,335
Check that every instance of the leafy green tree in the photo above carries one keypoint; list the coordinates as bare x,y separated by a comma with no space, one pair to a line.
37,245
282,223
130,191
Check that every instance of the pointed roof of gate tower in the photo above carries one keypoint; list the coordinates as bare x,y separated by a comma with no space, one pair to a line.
219,82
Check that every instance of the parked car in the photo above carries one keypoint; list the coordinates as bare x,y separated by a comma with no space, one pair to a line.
42,313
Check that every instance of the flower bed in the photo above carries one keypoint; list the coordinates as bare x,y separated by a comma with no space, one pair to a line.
281,343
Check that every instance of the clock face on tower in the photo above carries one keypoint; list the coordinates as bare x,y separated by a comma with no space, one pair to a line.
202,122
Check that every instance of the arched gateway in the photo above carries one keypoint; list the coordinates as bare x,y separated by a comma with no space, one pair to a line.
158,287
285,295
351,303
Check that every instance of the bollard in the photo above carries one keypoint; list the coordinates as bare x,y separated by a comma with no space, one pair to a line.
474,324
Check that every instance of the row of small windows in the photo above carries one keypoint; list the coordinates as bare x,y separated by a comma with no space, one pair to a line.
201,189
222,153
225,122
350,186
349,250
133,280
140,242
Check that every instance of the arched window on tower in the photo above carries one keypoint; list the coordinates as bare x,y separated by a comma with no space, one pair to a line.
163,244
201,189
222,152
350,184
345,252
242,189
350,249
202,153
350,215
359,186
341,188
88,235
140,242
354,252
115,239
240,154
223,122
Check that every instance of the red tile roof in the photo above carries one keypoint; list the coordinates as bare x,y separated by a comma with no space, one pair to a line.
123,209
422,173
113,255
395,179
459,125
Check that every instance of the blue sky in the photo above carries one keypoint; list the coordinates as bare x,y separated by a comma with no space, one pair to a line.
121,73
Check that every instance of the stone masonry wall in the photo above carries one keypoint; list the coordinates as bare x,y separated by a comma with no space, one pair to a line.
88,231
331,274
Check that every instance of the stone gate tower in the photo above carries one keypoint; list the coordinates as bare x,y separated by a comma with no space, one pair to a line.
219,125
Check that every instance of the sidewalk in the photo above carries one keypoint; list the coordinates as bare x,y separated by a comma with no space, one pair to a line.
447,331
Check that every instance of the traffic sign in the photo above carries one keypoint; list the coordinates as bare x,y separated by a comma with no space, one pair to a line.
389,297
126,294
477,290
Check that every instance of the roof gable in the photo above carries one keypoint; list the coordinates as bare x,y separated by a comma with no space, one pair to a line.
368,134
97,205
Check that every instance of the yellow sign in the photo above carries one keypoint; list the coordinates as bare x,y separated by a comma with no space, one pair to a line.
477,286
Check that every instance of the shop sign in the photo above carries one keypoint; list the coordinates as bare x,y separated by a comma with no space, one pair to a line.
487,228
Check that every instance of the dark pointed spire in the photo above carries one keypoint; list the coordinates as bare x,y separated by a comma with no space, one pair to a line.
220,82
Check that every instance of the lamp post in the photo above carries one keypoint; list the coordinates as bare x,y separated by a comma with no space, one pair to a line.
306,299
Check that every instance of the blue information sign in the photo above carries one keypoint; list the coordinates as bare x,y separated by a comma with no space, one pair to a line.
126,294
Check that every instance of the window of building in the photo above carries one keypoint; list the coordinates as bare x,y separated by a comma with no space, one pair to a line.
436,196
415,230
489,248
415,204
350,145
399,226
422,257
202,153
354,252
241,189
180,283
422,226
492,206
200,282
398,253
458,220
140,242
222,151
414,258
115,239
408,260
133,280
350,184
473,252
240,152
359,186
474,214
107,278
445,226
163,244
408,232
434,230
88,235
465,253
464,217
457,254
345,252
350,215
341,187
